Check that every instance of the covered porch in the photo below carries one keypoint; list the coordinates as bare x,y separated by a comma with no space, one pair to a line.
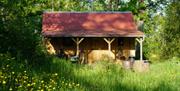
92,49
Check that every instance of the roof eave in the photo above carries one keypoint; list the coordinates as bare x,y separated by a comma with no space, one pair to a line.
108,35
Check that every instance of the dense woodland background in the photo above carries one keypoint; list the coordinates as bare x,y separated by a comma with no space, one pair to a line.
21,23
21,42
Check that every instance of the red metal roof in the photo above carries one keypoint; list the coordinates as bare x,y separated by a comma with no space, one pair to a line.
94,24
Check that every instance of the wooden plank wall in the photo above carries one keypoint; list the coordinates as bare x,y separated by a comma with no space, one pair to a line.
95,48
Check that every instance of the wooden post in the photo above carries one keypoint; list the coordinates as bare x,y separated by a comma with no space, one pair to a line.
141,45
77,41
109,41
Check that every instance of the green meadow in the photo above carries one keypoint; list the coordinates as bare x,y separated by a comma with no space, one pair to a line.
56,74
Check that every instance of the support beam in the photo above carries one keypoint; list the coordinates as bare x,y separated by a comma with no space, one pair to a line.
140,40
109,41
77,41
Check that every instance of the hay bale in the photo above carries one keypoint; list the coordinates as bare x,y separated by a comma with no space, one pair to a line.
97,55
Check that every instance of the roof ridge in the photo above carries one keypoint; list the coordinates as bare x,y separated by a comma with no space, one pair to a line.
87,12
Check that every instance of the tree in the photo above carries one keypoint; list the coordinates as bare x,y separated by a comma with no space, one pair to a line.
171,33
20,27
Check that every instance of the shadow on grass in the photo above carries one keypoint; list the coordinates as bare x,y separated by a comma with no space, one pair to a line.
165,87
66,69
100,77
54,65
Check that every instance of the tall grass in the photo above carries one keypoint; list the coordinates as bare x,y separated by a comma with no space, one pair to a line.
58,74
107,76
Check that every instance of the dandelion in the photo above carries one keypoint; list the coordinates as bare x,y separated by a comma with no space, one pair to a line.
46,86
77,85
4,82
52,80
12,72
28,85
20,86
50,86
54,88
33,83
16,79
69,85
10,89
73,83
55,74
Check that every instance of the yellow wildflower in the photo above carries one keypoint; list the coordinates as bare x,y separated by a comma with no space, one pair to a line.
12,72
4,82
55,74
10,89
28,85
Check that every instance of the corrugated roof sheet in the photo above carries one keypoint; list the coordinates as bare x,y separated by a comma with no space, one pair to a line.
86,24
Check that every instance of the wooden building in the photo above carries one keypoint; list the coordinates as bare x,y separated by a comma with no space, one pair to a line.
92,35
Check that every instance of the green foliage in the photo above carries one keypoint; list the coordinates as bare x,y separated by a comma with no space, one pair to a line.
93,5
162,30
21,27
152,23
153,42
25,65
171,33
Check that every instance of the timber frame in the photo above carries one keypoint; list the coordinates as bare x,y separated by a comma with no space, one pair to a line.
109,41
77,41
140,41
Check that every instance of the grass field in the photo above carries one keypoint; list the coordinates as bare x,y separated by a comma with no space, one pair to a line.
61,75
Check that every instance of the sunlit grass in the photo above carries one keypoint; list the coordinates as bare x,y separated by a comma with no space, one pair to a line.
58,74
